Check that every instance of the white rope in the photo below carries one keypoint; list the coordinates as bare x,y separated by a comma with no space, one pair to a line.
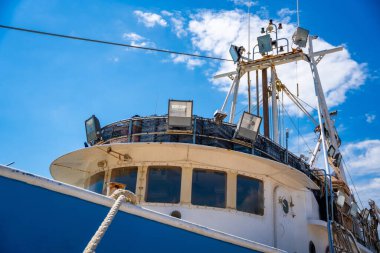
120,196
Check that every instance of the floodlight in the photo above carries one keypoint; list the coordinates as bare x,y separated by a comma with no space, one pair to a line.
265,43
92,126
236,53
219,116
180,114
300,37
331,151
341,199
248,126
337,160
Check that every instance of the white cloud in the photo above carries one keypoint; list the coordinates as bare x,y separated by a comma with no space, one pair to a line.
214,31
150,19
363,157
178,26
132,36
286,12
189,61
369,190
177,22
137,40
166,13
370,117
245,2
363,161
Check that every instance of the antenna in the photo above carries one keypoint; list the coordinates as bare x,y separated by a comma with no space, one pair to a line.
249,28
298,15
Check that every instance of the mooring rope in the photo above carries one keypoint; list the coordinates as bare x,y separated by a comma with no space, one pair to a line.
120,196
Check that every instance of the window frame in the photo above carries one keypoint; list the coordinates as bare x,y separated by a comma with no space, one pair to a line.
225,187
261,198
103,184
129,168
180,169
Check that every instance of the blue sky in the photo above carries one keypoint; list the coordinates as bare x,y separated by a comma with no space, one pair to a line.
49,86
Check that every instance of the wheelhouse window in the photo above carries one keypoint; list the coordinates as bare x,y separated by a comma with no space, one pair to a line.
250,195
208,188
164,185
126,176
96,182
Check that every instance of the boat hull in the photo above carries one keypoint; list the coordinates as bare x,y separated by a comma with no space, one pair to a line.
36,219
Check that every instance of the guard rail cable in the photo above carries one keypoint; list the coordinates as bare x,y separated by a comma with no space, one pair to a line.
120,196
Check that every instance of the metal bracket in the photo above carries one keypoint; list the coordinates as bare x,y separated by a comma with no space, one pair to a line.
319,59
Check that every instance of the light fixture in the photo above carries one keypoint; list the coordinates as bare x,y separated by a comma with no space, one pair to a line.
341,199
248,126
262,30
180,114
337,160
270,21
281,48
219,116
92,126
236,53
270,28
265,43
300,37
331,151
280,26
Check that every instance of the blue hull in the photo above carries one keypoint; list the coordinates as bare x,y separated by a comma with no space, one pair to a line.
35,219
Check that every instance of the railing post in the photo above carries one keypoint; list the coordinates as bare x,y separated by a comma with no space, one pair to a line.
130,130
195,131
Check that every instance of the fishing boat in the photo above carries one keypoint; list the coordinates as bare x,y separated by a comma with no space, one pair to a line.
185,183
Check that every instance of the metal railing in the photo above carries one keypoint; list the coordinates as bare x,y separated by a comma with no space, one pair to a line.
205,132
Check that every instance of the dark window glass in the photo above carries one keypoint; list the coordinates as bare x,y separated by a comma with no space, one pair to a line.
96,182
164,185
250,195
208,188
127,176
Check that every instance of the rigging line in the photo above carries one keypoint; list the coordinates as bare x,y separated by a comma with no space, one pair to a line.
299,134
110,43
307,104
353,184
299,105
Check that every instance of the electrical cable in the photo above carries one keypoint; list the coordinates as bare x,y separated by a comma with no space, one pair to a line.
352,181
110,43
299,134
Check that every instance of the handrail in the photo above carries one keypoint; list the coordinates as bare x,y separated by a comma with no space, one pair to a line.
127,131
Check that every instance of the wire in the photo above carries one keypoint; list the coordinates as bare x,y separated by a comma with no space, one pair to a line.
352,181
110,43
299,134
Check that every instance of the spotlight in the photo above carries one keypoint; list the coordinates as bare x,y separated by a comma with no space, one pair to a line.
248,126
180,114
300,37
92,126
236,53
